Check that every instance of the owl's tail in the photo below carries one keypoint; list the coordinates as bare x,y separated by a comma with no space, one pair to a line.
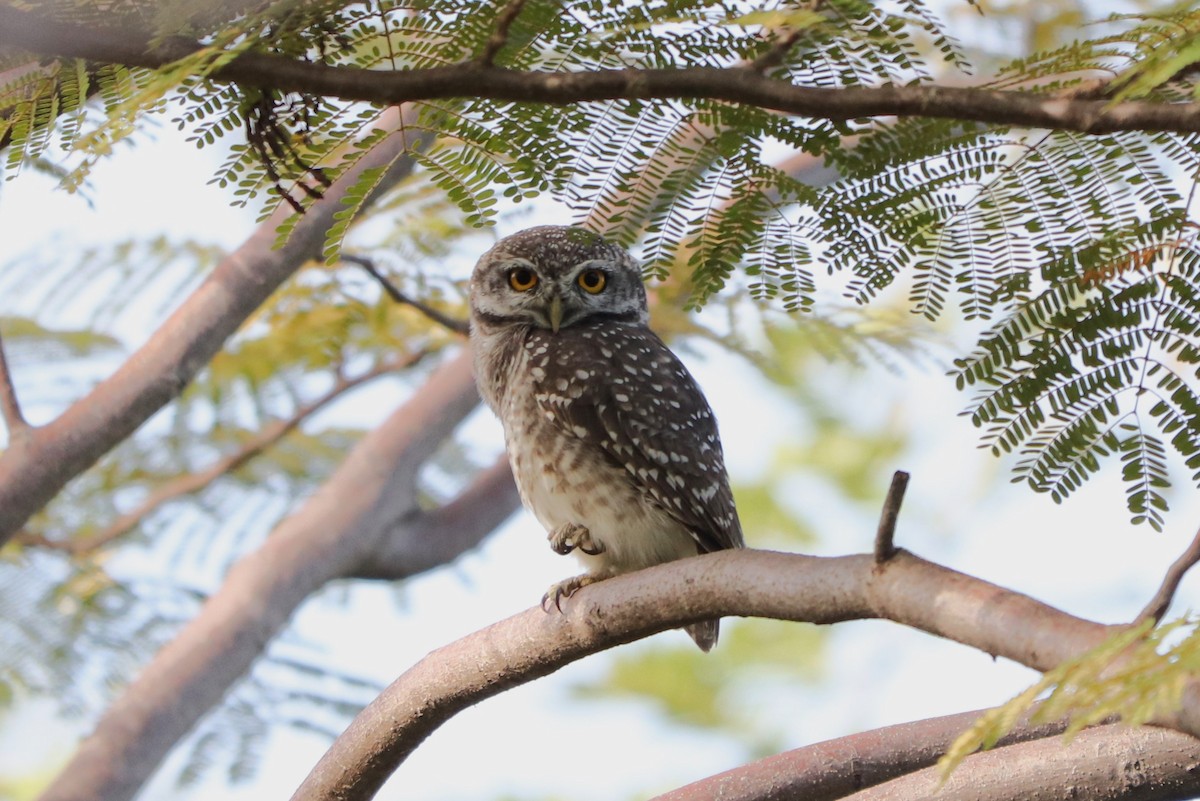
704,633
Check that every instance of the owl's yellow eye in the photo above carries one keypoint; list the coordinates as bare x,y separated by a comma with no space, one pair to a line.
522,279
592,280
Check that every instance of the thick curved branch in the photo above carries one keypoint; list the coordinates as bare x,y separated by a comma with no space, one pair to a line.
741,84
744,583
836,768
1105,763
55,453
190,483
330,537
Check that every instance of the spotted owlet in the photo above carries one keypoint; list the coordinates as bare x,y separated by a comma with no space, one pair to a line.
613,446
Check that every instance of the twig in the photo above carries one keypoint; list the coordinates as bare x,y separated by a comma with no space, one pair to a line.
499,36
779,49
1158,605
775,55
190,483
444,320
10,408
1093,89
885,549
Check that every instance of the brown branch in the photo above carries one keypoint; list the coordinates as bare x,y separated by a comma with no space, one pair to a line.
1105,763
338,529
730,583
499,36
449,530
10,408
461,327
190,483
835,768
1158,605
885,535
153,376
734,85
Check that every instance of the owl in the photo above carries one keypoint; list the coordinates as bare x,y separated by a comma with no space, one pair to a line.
612,444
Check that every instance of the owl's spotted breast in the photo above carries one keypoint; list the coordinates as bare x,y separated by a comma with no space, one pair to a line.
564,478
636,406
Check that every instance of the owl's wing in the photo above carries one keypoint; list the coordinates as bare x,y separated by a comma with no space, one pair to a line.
641,407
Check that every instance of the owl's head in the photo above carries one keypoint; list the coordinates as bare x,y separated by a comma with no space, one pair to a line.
555,277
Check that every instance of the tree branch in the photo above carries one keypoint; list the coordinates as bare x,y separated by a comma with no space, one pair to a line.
10,408
499,36
1161,602
836,768
730,583
160,369
329,537
1105,763
189,483
461,327
447,531
734,85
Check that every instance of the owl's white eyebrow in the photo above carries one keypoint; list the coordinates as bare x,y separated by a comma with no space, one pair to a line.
517,261
595,264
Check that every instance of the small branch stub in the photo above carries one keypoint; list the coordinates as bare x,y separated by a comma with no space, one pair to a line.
885,547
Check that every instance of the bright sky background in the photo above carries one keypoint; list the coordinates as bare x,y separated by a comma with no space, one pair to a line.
1083,557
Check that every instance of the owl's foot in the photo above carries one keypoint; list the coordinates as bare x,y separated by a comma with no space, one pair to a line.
570,536
566,588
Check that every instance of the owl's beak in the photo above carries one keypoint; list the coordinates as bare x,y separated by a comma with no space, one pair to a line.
555,313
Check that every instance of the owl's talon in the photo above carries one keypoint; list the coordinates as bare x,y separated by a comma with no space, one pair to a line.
565,589
570,536
551,598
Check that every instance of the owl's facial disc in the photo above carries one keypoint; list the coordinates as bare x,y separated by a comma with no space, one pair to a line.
556,278
552,301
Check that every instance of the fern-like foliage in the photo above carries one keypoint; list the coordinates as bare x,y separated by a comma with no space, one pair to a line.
1075,250
1102,362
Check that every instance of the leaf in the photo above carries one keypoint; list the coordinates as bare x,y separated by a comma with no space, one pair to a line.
1161,66
792,19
